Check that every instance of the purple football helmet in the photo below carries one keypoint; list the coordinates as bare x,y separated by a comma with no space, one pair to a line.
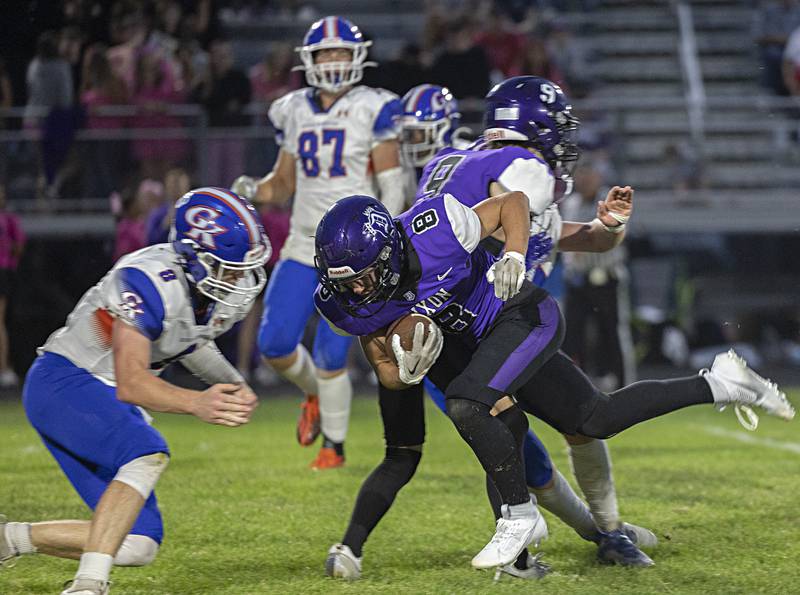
430,116
357,241
329,33
223,245
534,110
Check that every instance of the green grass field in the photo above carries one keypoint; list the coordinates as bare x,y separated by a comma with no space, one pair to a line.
244,514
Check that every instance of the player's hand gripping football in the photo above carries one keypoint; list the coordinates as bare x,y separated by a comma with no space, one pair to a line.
226,404
414,364
244,186
616,209
507,275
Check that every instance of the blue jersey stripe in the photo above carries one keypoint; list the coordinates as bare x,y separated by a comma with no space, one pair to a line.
141,302
387,117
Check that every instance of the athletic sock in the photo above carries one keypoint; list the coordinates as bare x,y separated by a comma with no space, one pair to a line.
95,566
335,397
338,447
644,400
302,373
561,500
591,465
18,536
377,494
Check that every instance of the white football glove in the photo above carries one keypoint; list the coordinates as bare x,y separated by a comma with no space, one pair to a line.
507,275
414,364
245,186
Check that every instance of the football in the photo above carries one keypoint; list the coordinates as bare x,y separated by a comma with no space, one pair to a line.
404,327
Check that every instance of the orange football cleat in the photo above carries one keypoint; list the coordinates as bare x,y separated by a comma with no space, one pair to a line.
327,459
308,423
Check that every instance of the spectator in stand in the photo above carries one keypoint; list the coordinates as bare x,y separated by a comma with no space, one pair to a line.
100,88
405,71
773,23
597,293
156,90
569,57
503,46
535,60
224,95
6,101
12,242
70,48
273,77
49,80
176,184
191,58
50,99
463,66
130,232
128,33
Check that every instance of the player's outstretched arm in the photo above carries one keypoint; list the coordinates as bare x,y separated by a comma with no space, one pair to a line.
276,188
223,404
606,231
385,158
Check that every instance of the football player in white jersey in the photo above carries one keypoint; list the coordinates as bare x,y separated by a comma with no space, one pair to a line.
336,138
87,392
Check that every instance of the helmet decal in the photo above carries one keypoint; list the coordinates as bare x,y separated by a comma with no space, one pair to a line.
377,222
204,227
222,245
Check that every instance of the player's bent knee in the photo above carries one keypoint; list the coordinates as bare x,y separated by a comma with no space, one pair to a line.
142,474
136,550
464,411
275,345
403,462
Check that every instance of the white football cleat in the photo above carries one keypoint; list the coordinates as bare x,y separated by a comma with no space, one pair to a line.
342,563
509,539
732,382
86,586
534,568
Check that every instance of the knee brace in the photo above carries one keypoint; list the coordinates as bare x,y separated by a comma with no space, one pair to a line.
143,473
136,550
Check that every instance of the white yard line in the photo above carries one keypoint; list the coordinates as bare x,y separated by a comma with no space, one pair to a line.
750,439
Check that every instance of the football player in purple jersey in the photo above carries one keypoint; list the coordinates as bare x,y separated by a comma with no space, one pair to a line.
496,334
429,124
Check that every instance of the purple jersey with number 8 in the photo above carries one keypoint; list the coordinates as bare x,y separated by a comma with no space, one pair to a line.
446,278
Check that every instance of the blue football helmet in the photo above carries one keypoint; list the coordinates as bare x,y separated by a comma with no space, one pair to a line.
430,116
357,241
329,33
534,110
223,245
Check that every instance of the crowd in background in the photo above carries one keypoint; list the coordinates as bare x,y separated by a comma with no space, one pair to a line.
106,68
156,55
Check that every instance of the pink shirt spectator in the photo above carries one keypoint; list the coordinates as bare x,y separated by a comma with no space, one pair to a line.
11,235
276,224
93,99
152,101
130,236
267,88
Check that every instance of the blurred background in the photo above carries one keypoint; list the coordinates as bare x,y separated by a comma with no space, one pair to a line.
109,110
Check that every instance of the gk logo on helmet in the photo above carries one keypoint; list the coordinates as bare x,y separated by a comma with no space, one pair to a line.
204,227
